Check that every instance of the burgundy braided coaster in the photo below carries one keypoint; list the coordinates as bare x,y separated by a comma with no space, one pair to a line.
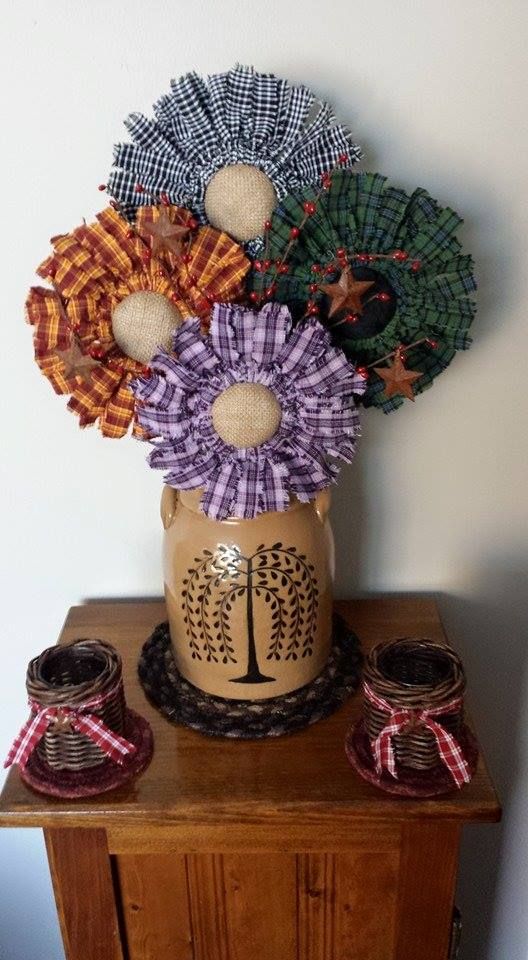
410,783
92,780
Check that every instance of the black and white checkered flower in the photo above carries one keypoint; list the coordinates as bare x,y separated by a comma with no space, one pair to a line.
273,136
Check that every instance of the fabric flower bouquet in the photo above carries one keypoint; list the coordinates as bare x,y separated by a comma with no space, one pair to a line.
244,293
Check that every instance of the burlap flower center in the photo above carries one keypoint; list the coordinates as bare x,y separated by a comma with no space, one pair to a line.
246,415
239,199
142,322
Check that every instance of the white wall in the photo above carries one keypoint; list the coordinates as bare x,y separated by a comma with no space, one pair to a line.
437,498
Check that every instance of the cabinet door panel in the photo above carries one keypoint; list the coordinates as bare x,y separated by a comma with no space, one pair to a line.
392,903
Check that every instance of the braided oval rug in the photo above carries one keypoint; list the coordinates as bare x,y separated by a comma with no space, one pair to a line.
181,702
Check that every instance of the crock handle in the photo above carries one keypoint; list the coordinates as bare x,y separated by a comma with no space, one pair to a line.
169,501
322,504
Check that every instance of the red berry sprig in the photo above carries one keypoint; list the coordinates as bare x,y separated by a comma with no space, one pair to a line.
402,350
309,209
363,258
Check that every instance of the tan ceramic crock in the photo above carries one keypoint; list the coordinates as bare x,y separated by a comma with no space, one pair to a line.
249,601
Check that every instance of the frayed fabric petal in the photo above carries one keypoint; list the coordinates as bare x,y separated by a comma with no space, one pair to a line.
217,501
271,327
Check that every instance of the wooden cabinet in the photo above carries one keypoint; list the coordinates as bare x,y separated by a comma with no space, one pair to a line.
260,850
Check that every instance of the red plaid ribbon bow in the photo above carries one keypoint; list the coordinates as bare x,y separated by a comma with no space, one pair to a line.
400,718
80,719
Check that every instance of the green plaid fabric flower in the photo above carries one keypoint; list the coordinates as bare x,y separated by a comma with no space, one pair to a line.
425,289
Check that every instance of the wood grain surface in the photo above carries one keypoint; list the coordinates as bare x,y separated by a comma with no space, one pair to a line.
206,786
347,905
155,906
84,894
426,886
268,850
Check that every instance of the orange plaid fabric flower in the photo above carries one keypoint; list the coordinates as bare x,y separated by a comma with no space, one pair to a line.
93,269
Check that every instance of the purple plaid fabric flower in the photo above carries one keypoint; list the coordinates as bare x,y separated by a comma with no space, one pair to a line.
312,382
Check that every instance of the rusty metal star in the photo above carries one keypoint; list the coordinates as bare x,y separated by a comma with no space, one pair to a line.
76,363
165,235
346,293
397,378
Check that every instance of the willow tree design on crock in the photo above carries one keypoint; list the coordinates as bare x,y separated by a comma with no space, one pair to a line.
277,578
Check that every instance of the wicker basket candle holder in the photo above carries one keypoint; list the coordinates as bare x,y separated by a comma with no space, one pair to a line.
80,738
84,676
412,738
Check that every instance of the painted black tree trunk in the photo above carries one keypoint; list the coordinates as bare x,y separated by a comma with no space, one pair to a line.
278,577
253,674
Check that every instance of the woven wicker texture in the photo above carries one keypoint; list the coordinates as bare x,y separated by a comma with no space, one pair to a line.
414,674
246,415
239,199
70,676
180,702
93,780
410,783
142,322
